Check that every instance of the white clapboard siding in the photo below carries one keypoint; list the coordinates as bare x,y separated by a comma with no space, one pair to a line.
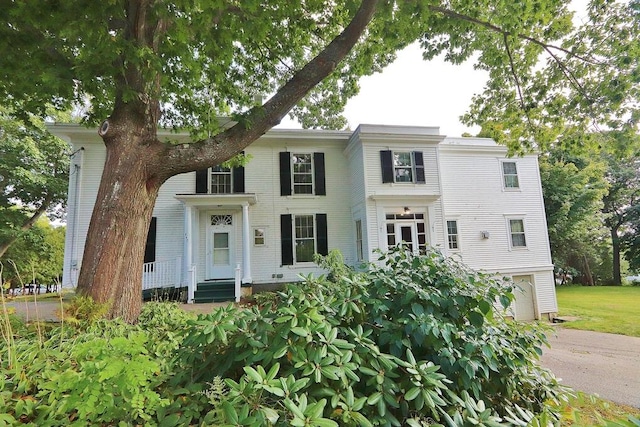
463,183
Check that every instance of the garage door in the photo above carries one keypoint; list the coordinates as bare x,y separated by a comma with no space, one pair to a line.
525,301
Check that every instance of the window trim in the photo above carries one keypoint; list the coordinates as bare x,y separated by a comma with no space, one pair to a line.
510,232
311,173
456,235
388,167
413,219
203,181
288,237
211,173
318,174
359,241
504,175
295,237
264,236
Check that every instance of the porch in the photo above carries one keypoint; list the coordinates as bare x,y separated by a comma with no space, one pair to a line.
165,279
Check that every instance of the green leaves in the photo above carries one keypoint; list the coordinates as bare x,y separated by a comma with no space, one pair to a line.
296,361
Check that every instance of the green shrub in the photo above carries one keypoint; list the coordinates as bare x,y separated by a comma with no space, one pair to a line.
105,373
418,339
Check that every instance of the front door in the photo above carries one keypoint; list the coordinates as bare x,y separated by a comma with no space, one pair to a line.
407,228
220,247
406,233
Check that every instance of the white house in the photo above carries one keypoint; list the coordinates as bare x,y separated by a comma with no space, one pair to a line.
308,191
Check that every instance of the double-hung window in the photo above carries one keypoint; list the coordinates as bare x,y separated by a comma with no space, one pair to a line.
452,235
359,241
302,174
302,237
516,231
220,180
402,166
510,176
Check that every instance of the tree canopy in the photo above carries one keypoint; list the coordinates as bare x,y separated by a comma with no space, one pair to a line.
36,257
573,188
200,60
139,64
34,173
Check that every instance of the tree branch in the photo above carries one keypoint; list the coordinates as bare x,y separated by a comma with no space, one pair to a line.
258,120
500,30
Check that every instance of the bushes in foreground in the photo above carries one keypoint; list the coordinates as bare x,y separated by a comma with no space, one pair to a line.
417,341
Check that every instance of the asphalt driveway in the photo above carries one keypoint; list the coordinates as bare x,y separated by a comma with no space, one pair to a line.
604,364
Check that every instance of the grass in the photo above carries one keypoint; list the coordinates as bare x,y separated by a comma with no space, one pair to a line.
610,309
588,410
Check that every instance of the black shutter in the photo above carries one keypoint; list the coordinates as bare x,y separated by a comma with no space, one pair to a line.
285,173
321,230
286,232
318,174
202,186
419,163
238,179
150,246
386,159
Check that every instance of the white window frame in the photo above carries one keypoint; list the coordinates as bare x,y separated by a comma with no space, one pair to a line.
263,231
411,167
359,241
225,172
511,232
393,221
505,175
295,237
311,173
456,235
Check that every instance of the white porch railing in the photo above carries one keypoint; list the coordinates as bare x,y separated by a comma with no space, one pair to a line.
237,283
162,274
192,283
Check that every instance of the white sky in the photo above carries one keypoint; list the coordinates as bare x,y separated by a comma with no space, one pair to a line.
412,91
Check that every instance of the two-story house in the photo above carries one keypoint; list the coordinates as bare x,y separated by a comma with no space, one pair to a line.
311,191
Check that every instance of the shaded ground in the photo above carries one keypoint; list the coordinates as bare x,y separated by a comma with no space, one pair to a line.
593,362
48,310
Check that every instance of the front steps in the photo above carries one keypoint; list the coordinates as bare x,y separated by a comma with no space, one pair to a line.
215,291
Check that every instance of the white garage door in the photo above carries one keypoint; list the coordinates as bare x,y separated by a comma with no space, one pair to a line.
525,301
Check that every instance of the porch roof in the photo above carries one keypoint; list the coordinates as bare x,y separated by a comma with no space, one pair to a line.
217,200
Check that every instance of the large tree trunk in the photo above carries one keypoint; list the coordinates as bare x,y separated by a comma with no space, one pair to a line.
114,250
137,163
615,243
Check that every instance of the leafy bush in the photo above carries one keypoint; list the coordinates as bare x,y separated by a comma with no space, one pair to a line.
414,342
102,373
418,339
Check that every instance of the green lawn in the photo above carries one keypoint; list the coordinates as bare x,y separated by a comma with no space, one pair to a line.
612,309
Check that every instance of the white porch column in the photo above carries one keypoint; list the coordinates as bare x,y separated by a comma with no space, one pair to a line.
188,253
246,248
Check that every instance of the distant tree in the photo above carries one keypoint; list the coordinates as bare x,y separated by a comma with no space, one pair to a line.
631,239
573,188
622,202
145,64
34,173
36,257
